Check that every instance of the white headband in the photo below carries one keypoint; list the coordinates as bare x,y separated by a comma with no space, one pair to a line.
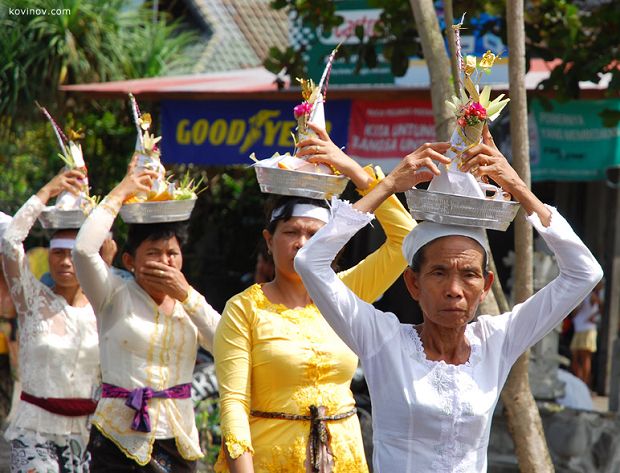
303,210
5,220
426,232
64,243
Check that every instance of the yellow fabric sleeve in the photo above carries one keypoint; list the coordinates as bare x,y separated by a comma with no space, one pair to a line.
233,366
372,276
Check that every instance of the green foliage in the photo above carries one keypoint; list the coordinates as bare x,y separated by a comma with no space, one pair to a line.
397,31
318,13
208,424
288,60
580,36
28,159
90,42
156,47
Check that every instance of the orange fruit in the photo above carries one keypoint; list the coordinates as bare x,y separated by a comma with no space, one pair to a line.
281,165
165,195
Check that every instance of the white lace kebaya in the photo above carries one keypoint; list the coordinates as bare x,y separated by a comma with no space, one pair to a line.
58,350
429,415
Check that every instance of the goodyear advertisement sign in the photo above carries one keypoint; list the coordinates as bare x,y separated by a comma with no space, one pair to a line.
227,132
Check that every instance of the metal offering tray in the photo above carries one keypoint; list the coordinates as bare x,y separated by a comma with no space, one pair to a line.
299,183
158,212
57,219
461,210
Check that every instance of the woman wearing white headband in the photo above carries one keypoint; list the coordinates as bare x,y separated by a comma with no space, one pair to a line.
434,386
284,375
58,350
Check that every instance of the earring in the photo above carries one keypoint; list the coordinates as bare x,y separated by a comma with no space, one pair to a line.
269,252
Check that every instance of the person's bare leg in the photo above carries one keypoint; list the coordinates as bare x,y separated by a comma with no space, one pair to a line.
576,365
587,367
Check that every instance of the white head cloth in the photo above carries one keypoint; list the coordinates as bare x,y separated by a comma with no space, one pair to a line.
5,220
426,232
304,210
64,243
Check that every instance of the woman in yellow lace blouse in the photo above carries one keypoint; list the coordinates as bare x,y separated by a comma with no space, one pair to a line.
279,364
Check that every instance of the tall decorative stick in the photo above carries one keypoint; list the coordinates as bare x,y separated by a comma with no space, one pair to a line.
325,79
60,136
135,110
459,54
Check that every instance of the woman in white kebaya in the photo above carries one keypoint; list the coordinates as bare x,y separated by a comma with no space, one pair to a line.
58,351
434,386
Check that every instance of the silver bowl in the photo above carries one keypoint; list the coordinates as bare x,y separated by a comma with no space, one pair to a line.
57,219
299,183
158,212
461,210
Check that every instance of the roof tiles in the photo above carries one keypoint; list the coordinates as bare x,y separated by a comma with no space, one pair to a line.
242,31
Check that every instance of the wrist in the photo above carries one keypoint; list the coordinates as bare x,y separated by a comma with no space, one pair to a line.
191,301
370,179
388,185
112,203
119,192
185,295
383,190
44,194
361,179
518,190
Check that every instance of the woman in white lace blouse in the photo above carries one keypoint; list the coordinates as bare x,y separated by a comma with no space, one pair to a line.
434,386
149,331
58,352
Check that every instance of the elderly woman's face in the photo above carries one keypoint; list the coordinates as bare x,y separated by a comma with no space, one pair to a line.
451,283
288,237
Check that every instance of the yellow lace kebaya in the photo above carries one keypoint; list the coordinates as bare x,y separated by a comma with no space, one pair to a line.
273,359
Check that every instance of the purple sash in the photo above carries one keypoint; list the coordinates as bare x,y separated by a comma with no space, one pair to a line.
137,400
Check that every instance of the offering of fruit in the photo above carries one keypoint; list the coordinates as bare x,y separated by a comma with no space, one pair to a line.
149,158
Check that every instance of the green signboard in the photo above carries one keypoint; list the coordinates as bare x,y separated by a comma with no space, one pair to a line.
319,44
316,45
571,143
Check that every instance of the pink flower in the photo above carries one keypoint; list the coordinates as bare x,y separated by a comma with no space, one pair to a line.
476,107
302,109
471,114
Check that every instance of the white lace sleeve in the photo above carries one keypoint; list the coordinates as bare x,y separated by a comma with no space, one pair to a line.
24,287
529,321
96,278
362,327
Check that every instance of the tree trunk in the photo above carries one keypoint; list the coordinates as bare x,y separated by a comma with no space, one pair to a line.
495,303
521,410
438,65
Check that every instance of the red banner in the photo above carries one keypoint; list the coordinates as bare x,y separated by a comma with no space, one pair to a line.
384,132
